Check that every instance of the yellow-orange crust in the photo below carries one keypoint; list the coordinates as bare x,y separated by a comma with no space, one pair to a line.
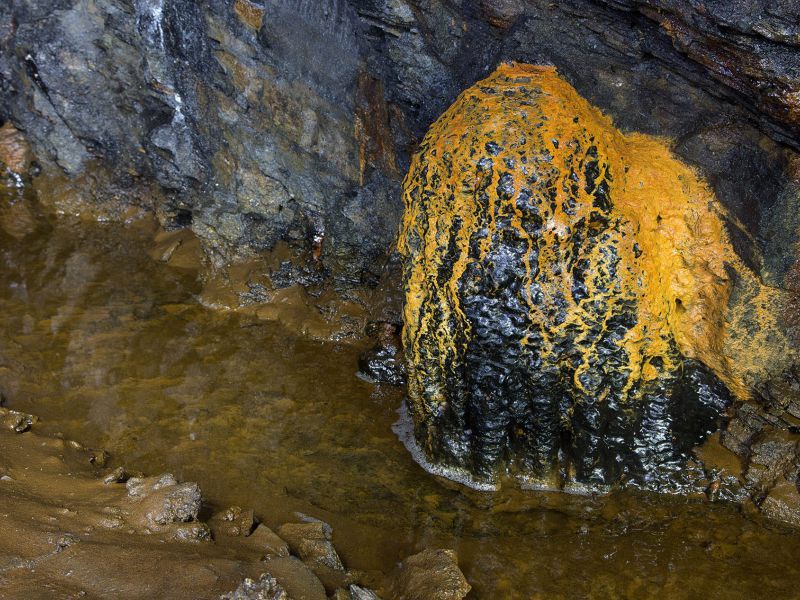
663,223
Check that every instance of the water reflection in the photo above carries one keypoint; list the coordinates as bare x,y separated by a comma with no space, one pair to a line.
112,348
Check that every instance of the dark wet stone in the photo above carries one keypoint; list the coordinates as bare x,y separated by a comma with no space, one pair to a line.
384,362
233,522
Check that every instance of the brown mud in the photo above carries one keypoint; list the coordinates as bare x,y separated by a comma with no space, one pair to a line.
114,348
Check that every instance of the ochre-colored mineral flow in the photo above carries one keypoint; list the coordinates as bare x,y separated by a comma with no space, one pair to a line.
567,288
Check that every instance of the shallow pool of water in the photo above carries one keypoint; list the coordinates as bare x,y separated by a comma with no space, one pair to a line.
112,348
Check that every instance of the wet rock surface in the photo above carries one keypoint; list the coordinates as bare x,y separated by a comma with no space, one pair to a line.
265,588
384,362
252,122
549,307
259,122
431,575
268,120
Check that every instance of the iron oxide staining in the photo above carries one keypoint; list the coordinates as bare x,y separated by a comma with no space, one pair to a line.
566,292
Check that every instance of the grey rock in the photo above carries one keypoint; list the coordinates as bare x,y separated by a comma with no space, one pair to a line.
359,593
265,588
164,500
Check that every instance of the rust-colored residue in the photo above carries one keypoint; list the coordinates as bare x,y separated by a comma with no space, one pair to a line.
372,130
666,227
249,14
15,153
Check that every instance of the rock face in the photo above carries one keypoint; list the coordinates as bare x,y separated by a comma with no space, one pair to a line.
558,275
267,120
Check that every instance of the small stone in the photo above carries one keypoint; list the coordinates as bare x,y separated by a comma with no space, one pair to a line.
233,522
359,593
65,541
16,421
266,588
118,475
98,457
180,503
162,501
191,532
431,575
312,543
268,542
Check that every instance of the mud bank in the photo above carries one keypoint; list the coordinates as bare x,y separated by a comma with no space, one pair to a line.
72,528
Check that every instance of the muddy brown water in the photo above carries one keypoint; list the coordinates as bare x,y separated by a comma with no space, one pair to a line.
112,348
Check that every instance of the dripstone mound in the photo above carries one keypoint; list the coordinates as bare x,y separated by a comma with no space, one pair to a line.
568,293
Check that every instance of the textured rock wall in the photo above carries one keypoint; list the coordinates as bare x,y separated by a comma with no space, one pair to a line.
268,120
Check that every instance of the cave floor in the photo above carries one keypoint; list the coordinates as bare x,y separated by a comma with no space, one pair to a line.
111,347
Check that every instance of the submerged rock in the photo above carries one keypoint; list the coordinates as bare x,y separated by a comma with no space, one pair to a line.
233,522
312,543
431,575
569,291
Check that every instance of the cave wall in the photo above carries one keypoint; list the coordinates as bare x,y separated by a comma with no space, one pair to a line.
288,119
